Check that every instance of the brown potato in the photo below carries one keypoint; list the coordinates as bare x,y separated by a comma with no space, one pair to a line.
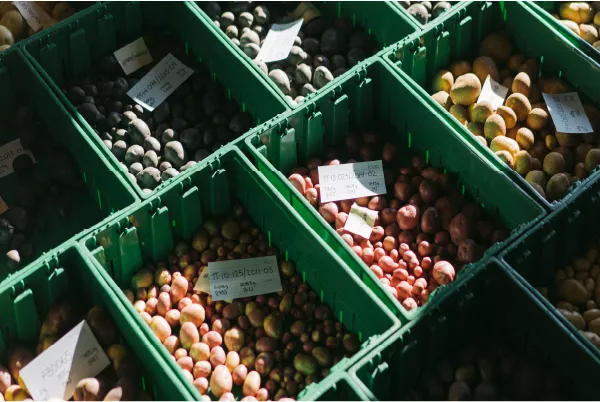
443,98
460,113
506,157
466,90
443,81
515,61
522,84
508,115
497,46
484,66
476,129
520,105
576,11
537,119
588,33
503,143
480,111
522,162
459,68
574,318
494,126
525,138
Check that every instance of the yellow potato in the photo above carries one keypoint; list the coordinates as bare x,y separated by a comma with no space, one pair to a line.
551,142
494,126
554,163
443,81
505,157
536,176
465,90
522,162
509,116
443,98
512,133
588,33
480,111
6,37
460,113
537,119
530,67
554,86
522,84
525,138
502,143
476,129
578,11
520,104
62,10
535,96
14,21
572,26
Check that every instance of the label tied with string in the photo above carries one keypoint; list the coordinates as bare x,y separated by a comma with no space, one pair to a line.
360,221
35,15
567,113
351,180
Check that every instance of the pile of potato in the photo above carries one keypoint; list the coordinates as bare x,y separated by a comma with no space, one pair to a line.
324,48
521,132
486,374
576,294
271,345
46,191
14,28
583,18
118,382
425,230
425,11
194,121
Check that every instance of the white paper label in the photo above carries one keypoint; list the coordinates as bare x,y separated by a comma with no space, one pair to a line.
35,15
567,113
8,152
243,278
56,372
493,93
160,82
3,206
133,56
279,41
203,283
351,180
360,221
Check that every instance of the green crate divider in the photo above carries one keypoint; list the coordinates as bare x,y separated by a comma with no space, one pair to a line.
494,304
553,243
71,49
459,36
27,297
341,388
377,92
148,232
422,27
105,190
545,9
381,19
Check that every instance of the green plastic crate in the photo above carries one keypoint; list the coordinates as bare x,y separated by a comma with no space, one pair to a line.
381,19
26,298
71,50
455,6
493,305
545,9
420,56
106,191
376,93
149,233
552,244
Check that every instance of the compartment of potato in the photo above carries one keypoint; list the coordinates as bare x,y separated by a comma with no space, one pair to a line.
429,227
334,38
582,18
14,27
507,47
426,11
50,300
53,182
477,348
215,106
264,346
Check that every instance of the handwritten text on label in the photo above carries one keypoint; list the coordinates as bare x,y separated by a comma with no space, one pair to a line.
35,15
351,180
242,278
361,221
56,372
133,56
493,93
160,82
8,153
567,113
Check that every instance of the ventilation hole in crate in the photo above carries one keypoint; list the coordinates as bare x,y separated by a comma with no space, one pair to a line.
243,107
99,199
84,177
341,319
214,76
462,189
354,20
228,94
269,238
409,140
427,156
339,9
173,223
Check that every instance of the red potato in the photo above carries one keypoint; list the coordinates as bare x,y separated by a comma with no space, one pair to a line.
443,272
329,211
298,182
